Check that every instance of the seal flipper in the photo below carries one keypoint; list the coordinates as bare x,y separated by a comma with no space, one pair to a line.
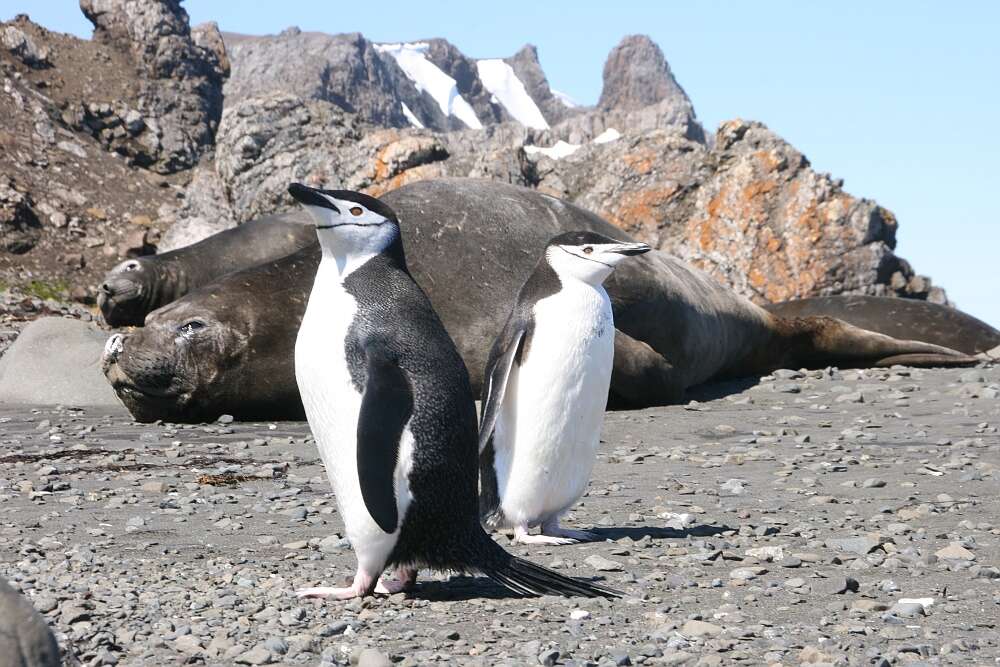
642,376
386,406
821,340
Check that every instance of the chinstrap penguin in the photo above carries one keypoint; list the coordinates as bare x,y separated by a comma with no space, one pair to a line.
545,388
388,400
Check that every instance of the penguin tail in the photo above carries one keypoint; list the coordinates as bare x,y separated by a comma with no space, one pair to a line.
526,578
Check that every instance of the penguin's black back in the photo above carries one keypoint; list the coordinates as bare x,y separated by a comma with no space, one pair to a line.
394,311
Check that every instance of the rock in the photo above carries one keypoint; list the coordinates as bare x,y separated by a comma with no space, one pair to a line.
955,551
700,629
20,228
602,564
181,84
907,609
57,361
344,70
529,71
25,638
838,586
636,75
370,657
22,47
258,655
857,545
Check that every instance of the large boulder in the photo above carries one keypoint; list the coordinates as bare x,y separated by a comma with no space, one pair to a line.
762,220
25,637
180,97
57,361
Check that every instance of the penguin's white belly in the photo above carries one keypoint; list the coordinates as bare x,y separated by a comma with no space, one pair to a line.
333,405
549,427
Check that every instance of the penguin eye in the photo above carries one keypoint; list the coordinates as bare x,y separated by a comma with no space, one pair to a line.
191,327
356,211
587,250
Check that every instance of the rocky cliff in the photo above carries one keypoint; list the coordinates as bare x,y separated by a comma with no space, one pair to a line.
154,134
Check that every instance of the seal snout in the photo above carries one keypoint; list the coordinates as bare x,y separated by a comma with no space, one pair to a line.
113,347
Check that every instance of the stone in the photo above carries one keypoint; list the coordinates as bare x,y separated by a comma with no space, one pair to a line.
860,546
694,628
62,357
25,637
602,564
955,551
20,228
370,657
22,47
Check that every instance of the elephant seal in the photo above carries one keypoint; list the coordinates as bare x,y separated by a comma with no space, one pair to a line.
899,318
470,244
139,286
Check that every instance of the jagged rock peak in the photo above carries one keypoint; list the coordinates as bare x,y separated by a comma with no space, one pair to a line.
182,75
529,70
637,75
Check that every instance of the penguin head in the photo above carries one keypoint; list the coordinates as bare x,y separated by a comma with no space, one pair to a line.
348,222
588,256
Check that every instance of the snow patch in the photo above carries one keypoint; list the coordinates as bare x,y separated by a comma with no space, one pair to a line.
560,150
414,121
565,99
503,84
608,135
427,76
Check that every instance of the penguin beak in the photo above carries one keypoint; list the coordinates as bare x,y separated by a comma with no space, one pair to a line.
630,248
307,196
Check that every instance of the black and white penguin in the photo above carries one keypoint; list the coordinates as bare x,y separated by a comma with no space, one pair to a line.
545,389
389,402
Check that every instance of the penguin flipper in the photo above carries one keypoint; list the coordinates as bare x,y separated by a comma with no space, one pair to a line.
386,406
502,357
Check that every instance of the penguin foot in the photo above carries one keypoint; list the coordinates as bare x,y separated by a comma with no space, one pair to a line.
326,592
521,536
405,578
362,586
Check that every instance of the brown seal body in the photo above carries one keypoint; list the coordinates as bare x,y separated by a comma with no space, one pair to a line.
899,318
470,244
136,287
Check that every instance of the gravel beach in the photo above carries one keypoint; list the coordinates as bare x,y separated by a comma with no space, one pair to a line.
821,517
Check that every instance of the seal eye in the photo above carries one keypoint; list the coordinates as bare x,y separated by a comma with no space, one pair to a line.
191,327
356,211
587,250
132,266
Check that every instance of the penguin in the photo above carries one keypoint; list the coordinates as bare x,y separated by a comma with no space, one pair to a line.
545,389
389,402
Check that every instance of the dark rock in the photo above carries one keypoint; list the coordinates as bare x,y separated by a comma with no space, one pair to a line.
20,228
25,638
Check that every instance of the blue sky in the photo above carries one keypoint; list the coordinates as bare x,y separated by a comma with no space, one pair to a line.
900,99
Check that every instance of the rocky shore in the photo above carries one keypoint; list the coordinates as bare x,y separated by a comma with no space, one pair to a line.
826,517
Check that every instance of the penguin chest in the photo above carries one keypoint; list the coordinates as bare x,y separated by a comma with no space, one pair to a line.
332,402
550,424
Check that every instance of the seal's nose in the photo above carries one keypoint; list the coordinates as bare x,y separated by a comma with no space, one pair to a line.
106,288
114,347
